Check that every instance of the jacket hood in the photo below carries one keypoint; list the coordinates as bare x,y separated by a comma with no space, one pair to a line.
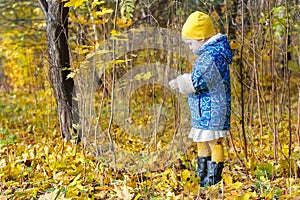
217,43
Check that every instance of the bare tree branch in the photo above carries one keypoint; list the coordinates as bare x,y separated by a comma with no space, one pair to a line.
44,6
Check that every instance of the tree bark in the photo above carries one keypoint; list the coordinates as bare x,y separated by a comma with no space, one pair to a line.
59,61
3,81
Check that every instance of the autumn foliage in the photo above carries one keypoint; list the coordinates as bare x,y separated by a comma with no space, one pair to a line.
142,159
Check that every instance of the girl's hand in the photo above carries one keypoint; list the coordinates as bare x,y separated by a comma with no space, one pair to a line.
173,84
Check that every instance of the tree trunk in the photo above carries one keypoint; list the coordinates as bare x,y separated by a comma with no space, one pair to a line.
59,61
3,80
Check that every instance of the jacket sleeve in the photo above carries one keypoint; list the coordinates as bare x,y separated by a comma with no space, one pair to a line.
202,72
185,84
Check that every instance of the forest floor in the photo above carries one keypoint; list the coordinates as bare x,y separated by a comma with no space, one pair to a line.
35,163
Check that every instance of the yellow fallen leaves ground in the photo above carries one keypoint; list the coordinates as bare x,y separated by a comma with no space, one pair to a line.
36,164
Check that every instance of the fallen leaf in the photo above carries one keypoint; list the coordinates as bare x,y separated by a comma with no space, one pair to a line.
124,192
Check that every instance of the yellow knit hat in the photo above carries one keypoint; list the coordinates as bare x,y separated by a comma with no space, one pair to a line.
197,26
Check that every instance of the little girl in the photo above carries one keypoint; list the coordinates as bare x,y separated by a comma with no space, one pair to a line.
209,97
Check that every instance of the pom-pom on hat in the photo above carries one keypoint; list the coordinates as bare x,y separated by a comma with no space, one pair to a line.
197,26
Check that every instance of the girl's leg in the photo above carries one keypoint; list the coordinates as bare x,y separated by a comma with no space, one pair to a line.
217,150
204,155
216,164
203,149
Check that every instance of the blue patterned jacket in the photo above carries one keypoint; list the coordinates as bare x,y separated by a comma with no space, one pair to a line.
211,103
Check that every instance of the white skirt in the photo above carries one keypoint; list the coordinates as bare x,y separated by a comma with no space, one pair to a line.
200,135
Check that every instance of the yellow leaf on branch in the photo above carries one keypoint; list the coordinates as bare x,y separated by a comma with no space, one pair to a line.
104,11
96,3
74,3
124,22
